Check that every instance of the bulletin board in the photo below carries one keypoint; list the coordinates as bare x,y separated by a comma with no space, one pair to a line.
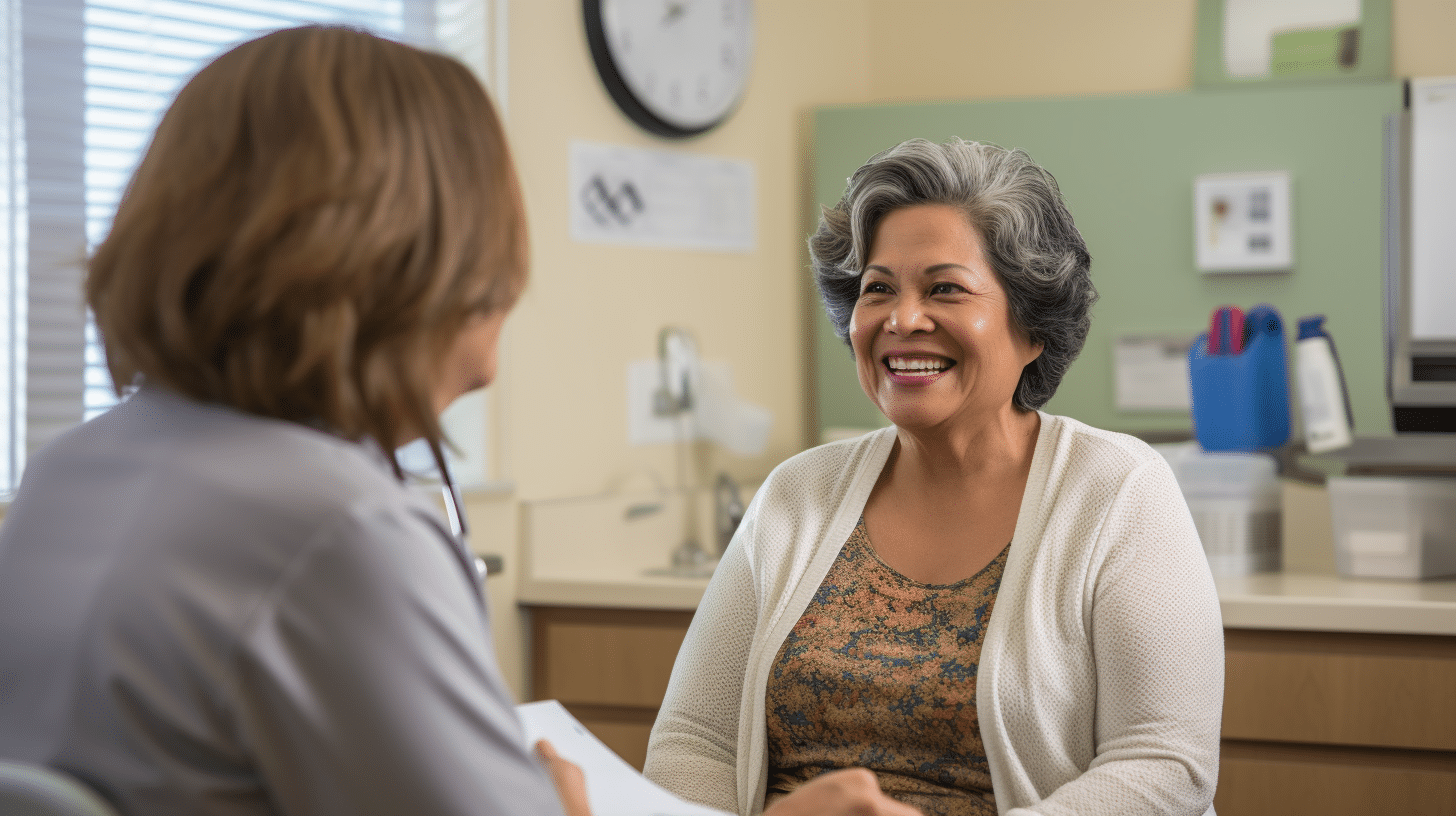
1126,166
1354,42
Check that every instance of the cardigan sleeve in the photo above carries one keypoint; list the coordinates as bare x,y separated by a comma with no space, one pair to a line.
693,749
1156,634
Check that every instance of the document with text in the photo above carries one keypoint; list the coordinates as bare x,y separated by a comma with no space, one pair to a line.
613,787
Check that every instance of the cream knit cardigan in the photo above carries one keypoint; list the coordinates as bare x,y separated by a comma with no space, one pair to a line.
1100,685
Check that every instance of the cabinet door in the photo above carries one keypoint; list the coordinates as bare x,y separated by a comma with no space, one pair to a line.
608,667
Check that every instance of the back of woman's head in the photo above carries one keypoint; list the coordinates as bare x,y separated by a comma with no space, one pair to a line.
320,213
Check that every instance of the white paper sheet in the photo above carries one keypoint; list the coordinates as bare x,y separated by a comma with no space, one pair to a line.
662,198
1151,373
613,787
1249,27
718,413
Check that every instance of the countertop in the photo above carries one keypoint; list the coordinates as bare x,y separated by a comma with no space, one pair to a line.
599,552
1329,603
1323,603
604,551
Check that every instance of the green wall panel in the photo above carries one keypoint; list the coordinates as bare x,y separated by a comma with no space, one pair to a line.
1126,166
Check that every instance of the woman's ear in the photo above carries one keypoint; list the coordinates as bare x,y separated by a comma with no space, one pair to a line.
1034,351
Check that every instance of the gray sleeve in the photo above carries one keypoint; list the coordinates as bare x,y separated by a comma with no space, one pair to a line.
368,684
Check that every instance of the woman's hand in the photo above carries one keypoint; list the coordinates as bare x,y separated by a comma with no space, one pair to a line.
848,792
570,782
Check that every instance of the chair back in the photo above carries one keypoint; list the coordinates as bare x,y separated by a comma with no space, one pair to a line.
28,789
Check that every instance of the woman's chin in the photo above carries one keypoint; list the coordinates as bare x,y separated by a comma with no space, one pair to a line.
917,420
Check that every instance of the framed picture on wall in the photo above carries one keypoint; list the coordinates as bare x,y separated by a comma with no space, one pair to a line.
1242,223
1258,42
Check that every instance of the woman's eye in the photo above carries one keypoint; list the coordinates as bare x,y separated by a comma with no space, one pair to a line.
874,287
945,289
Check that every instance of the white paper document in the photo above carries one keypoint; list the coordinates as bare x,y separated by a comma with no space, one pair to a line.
1151,373
662,198
613,787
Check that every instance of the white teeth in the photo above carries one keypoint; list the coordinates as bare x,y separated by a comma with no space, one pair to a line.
916,364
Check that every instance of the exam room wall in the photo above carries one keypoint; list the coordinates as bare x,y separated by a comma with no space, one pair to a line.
590,310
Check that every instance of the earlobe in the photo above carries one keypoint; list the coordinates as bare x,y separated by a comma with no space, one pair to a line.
1036,350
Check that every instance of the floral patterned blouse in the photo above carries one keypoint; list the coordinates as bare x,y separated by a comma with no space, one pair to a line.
880,672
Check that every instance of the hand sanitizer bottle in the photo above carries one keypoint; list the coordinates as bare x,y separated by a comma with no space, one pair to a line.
1324,400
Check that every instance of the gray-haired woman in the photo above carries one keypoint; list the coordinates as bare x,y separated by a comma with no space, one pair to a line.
851,620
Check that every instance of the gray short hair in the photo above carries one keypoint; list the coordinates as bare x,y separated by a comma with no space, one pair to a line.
1029,236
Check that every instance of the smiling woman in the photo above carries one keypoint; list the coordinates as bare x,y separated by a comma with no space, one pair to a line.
993,608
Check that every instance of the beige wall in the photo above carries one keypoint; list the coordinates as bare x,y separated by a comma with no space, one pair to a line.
951,49
1424,32
591,310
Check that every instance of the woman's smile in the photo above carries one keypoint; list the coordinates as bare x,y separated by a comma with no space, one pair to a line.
916,369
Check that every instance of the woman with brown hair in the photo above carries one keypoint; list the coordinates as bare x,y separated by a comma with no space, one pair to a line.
219,597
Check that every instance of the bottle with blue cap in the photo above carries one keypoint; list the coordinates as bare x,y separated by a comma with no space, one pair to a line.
1324,401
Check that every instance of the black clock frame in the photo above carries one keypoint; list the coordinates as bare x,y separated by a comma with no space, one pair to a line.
596,37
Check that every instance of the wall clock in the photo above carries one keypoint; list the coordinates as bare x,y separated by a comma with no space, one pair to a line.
675,67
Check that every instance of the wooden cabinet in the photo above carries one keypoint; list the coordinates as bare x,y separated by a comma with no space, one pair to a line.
1338,723
609,667
1318,723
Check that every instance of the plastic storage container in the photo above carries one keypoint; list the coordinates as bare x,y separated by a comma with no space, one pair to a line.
1394,527
1235,502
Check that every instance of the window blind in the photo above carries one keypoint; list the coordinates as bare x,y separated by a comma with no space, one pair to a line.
52,87
85,83
138,53
13,243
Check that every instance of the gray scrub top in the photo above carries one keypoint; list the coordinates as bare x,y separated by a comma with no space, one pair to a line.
208,612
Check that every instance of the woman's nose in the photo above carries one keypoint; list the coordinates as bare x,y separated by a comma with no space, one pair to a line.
908,316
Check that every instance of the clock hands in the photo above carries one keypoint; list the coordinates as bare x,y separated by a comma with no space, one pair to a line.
675,67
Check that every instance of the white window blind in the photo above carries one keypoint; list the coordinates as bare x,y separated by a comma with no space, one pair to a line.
85,83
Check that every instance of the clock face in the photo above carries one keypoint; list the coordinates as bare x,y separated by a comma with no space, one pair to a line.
676,67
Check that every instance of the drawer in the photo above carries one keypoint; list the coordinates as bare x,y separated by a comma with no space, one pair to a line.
1258,778
1340,689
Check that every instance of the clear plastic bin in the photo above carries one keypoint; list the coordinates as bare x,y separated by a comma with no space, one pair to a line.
1394,527
1235,502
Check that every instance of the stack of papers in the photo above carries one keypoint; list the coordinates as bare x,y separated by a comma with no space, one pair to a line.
613,787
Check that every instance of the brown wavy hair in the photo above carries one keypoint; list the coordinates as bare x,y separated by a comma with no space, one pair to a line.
319,215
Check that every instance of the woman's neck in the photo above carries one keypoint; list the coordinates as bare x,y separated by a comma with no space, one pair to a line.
997,446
